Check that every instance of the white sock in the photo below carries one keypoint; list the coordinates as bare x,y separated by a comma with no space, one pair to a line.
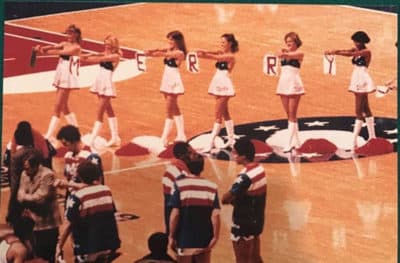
167,129
71,119
52,126
371,127
215,131
115,139
230,131
296,139
95,131
356,131
180,128
291,133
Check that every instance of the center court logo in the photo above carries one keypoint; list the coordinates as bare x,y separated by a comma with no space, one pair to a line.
322,138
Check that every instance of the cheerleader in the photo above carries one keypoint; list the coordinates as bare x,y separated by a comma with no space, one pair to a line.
221,86
290,87
104,88
361,83
66,77
171,83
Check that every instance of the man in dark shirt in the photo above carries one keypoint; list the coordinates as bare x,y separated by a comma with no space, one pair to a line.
248,197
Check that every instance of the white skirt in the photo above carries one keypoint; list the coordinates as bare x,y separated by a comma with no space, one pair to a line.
67,73
221,84
361,81
290,82
103,85
171,82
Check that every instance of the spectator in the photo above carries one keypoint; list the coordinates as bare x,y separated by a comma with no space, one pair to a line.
24,138
158,246
37,193
16,246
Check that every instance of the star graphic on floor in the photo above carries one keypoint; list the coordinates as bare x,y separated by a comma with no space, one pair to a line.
267,128
316,123
394,131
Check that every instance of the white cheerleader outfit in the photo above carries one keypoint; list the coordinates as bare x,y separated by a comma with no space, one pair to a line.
67,72
361,81
290,82
171,82
221,83
103,85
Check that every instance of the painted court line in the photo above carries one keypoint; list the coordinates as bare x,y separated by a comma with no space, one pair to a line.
63,35
133,168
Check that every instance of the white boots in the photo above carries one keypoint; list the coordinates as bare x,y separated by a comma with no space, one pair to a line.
52,127
230,132
70,118
95,131
371,127
167,129
293,134
357,128
115,139
356,131
180,129
215,131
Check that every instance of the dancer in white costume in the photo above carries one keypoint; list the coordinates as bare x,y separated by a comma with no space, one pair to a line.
290,87
66,77
361,83
221,86
171,83
104,87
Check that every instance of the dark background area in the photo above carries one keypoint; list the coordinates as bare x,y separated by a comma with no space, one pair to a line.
14,10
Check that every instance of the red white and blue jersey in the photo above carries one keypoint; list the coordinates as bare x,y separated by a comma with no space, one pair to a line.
177,169
250,192
196,198
90,211
72,161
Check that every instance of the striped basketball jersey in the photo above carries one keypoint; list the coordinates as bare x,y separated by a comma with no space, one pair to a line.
177,169
250,191
196,198
91,213
72,161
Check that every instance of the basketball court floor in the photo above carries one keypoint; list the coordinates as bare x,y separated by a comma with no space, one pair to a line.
318,210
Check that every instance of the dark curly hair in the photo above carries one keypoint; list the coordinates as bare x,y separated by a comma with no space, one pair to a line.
360,36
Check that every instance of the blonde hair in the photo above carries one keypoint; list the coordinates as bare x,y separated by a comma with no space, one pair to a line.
114,44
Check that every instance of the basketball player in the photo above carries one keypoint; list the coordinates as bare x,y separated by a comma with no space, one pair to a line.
70,137
66,77
221,86
195,216
248,198
171,83
183,153
361,83
290,87
104,87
